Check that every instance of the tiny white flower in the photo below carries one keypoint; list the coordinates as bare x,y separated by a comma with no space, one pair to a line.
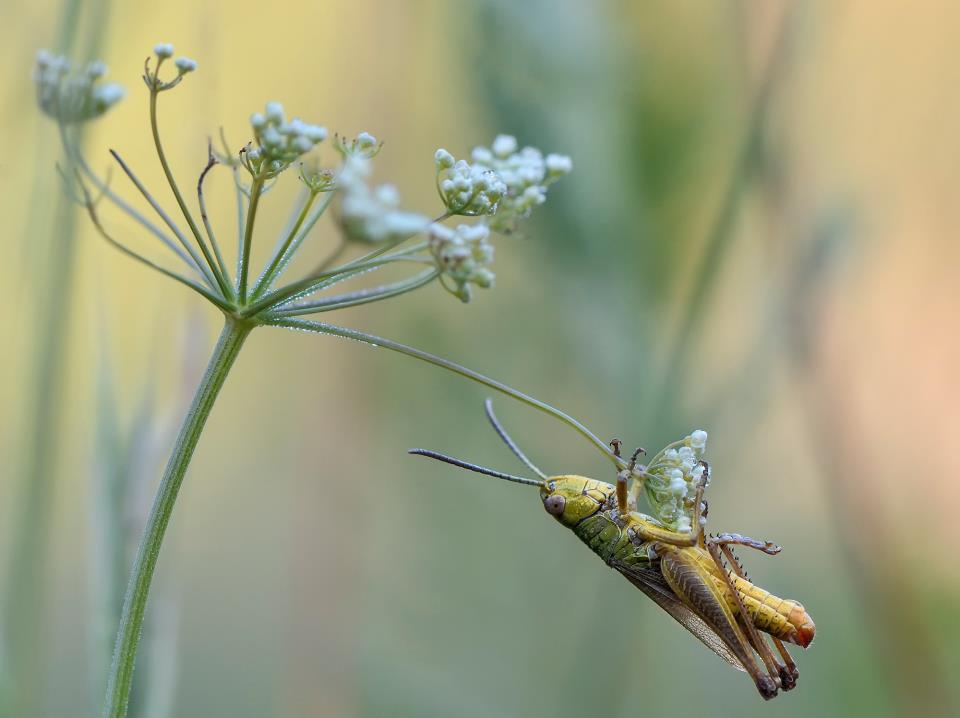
558,164
274,112
71,95
463,255
698,439
96,69
363,146
163,50
281,142
373,216
443,159
185,65
110,94
504,145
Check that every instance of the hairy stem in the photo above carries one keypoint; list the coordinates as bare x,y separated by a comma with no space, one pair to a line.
255,191
135,601
221,281
269,274
375,341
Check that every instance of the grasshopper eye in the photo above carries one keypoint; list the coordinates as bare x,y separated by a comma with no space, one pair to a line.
554,504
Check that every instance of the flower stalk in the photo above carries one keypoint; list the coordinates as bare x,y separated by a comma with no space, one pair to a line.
225,353
498,190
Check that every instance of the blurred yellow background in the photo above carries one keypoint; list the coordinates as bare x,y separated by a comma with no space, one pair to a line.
799,168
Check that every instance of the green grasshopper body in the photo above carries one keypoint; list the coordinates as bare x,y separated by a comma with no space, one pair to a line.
684,572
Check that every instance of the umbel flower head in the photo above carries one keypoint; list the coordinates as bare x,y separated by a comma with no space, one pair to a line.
278,142
498,188
73,95
373,216
464,256
671,480
502,181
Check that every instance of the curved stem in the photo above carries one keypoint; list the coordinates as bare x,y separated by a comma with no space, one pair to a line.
211,163
77,159
221,282
375,341
135,602
204,270
363,296
92,211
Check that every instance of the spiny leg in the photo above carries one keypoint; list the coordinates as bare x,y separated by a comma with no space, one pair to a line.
623,506
728,539
699,592
774,669
788,672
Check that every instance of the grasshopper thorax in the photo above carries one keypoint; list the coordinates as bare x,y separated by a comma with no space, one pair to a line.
571,499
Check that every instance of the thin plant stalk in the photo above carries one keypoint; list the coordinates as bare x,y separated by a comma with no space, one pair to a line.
221,280
376,341
255,192
228,348
135,601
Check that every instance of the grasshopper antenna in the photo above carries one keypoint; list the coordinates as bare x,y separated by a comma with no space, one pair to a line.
474,467
498,427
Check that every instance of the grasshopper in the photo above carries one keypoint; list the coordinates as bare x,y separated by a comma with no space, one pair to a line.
695,578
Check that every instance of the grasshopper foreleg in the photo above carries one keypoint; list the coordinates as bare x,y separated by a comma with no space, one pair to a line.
623,477
650,532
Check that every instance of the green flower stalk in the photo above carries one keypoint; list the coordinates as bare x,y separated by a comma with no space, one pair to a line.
498,190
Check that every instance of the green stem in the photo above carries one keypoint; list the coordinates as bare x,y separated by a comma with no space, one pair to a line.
135,602
267,277
363,296
255,191
206,224
221,282
375,341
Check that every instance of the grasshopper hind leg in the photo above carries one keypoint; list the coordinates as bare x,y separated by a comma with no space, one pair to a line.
785,674
686,580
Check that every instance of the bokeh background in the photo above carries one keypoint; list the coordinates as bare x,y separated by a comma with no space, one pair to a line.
758,239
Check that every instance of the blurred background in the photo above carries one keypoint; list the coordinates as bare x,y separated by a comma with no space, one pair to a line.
755,240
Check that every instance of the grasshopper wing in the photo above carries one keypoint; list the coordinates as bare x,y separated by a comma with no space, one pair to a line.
651,582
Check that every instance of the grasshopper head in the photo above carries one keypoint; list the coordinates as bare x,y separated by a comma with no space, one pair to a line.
571,499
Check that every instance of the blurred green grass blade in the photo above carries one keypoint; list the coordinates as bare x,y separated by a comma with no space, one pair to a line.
720,238
23,610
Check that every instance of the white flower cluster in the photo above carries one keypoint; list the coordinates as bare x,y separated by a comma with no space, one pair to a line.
279,141
364,146
467,189
72,96
522,177
672,478
373,215
464,255
164,51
